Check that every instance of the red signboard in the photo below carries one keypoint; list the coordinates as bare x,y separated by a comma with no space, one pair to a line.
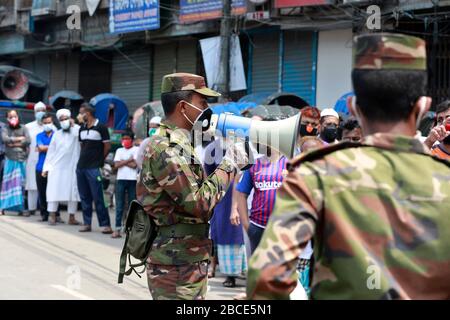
300,3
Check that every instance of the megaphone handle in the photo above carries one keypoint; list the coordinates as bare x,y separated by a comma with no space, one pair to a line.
249,154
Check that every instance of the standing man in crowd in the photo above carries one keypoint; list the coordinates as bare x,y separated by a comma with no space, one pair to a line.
439,138
60,167
125,164
378,210
329,124
309,125
178,195
95,145
34,128
264,177
351,130
43,140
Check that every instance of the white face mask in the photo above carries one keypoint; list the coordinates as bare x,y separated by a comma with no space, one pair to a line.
65,124
191,105
48,127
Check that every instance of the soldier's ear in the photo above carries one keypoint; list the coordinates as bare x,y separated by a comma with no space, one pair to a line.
181,105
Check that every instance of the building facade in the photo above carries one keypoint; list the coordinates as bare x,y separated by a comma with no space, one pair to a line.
296,46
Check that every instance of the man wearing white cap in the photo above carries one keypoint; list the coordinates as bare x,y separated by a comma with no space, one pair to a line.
60,167
34,128
329,124
153,126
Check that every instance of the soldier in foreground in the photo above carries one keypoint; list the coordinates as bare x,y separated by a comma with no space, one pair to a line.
378,211
177,194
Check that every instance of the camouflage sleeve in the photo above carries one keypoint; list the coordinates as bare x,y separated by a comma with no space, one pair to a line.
192,194
272,267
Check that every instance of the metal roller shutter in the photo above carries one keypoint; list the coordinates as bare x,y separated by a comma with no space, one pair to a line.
64,72
131,77
299,64
265,62
164,62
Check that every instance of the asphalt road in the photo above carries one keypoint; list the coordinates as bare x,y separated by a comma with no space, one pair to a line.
42,262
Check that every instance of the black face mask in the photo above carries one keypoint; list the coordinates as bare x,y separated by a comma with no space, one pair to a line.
446,140
304,132
329,134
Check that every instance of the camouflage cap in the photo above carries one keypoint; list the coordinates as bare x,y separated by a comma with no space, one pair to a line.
186,81
393,51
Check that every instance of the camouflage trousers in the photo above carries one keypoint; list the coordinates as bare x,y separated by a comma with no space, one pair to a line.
183,282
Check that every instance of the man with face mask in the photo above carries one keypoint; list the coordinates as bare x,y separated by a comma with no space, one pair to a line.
441,132
34,128
329,124
377,209
60,167
178,195
43,140
309,125
95,145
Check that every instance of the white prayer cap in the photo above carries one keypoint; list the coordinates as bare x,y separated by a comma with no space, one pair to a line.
40,106
63,112
329,112
156,120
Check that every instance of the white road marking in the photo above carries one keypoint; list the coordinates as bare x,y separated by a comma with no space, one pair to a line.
71,292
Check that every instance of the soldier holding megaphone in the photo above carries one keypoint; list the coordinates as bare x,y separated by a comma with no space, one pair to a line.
177,194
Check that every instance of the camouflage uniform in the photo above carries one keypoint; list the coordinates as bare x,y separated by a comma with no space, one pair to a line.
377,211
175,191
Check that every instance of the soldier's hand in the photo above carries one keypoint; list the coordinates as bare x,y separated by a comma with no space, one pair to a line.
44,174
436,134
236,153
234,218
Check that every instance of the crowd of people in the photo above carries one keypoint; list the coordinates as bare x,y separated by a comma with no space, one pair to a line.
44,167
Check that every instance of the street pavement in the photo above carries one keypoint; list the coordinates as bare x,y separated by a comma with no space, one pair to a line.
42,262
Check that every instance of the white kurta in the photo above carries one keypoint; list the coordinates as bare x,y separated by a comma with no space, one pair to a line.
34,128
61,164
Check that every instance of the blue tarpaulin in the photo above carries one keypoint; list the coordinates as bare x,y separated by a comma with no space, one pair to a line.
115,118
341,104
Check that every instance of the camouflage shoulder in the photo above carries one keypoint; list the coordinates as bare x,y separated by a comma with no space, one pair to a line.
320,153
444,161
156,145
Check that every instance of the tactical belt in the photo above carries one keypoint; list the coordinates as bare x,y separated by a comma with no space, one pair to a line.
183,229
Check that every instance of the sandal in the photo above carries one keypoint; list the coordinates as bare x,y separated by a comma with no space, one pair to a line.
73,221
107,230
230,282
116,234
85,229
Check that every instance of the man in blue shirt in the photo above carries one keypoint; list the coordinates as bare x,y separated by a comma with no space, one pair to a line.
43,140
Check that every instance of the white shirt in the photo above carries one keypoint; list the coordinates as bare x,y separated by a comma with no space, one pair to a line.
125,172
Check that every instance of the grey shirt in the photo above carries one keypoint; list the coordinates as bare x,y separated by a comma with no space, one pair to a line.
9,137
2,145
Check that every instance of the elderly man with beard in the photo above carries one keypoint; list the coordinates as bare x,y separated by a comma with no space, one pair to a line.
60,167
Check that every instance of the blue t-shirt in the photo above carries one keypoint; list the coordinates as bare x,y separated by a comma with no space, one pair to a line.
42,140
265,178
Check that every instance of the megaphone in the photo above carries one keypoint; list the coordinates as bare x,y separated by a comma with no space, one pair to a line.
280,135
14,85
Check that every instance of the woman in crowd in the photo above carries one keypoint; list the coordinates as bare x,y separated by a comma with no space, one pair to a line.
17,140
227,238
